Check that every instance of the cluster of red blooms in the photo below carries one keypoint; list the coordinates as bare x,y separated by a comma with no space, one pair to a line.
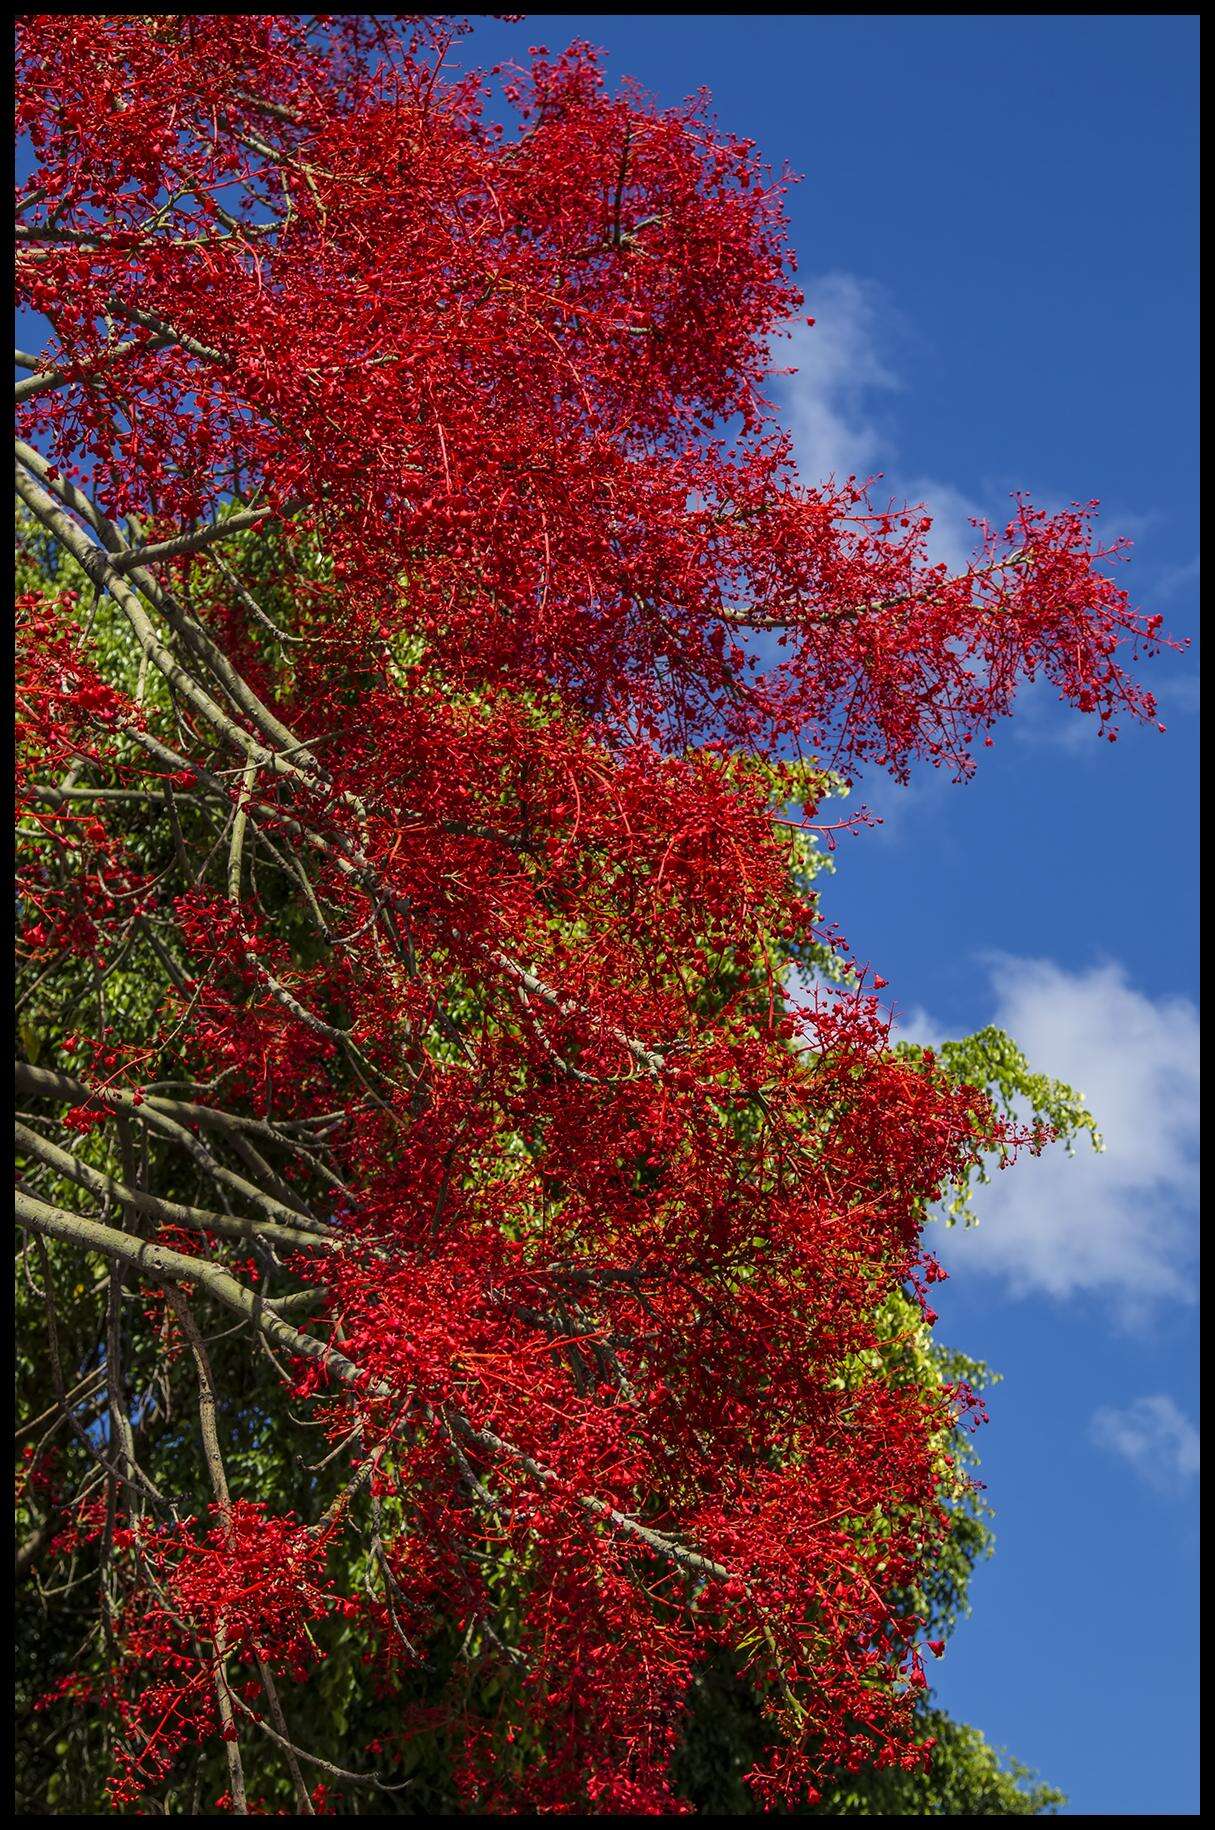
64,713
247,1582
608,1220
497,366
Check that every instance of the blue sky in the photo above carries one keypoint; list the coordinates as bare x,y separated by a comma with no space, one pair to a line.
997,235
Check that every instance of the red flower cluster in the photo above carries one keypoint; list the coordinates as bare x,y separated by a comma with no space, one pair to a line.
251,1584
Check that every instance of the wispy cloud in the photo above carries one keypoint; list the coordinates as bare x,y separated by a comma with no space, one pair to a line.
902,808
1174,580
952,538
835,407
1045,720
829,403
839,409
1178,695
1122,1223
916,1025
1154,1436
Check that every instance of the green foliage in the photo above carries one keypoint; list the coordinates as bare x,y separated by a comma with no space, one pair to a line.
990,1061
967,1778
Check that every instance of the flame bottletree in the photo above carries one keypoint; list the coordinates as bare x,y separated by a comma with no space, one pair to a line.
469,1210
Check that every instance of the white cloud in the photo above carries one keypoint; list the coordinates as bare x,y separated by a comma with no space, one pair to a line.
916,1025
1154,1436
1121,1224
839,368
831,407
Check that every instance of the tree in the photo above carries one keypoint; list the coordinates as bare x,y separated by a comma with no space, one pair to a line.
472,1292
